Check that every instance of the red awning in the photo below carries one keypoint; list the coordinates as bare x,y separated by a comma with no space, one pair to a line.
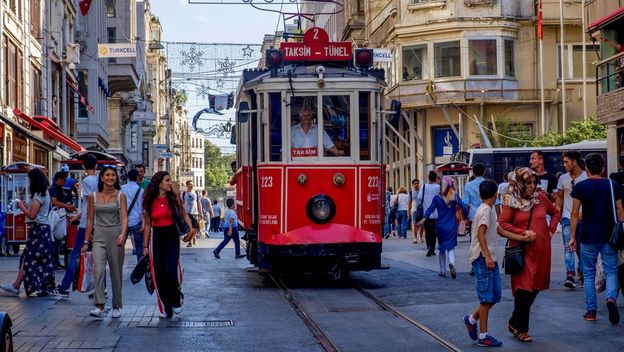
607,19
50,128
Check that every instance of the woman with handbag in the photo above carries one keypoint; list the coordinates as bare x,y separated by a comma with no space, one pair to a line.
36,268
446,204
165,222
524,210
107,225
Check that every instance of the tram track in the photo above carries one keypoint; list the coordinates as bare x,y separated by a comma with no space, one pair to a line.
326,341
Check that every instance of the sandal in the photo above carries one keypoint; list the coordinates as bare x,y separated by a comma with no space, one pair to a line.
524,337
513,330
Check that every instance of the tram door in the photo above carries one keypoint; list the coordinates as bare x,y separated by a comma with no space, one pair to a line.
245,152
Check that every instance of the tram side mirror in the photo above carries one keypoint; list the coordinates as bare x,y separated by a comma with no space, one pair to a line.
395,112
242,115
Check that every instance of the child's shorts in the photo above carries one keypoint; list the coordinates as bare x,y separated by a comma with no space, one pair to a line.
488,282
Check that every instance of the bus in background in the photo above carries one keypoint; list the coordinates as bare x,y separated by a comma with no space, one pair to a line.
498,161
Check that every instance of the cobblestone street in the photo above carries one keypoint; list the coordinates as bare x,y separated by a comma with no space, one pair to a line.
229,309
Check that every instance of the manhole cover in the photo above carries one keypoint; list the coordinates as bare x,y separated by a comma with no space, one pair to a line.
201,324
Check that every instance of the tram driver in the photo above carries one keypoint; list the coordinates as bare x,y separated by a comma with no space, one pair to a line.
304,135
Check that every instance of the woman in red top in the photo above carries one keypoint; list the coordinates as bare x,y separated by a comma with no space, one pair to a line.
160,204
524,212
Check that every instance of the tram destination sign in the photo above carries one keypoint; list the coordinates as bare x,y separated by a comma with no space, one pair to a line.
316,47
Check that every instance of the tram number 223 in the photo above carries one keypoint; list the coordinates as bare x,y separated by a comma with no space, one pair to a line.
266,181
373,181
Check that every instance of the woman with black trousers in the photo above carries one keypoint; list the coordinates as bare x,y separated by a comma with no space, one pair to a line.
162,242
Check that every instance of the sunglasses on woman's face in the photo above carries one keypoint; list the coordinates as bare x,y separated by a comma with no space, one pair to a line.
112,166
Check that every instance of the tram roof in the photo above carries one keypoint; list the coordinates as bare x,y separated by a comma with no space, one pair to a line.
308,70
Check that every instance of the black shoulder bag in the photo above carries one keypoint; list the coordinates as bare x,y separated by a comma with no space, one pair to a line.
513,262
180,222
617,236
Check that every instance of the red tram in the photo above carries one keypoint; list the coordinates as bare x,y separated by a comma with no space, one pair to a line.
310,181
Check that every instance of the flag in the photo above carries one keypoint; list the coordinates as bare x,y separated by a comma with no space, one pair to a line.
84,6
540,31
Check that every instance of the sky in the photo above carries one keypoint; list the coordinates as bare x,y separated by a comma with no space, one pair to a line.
209,23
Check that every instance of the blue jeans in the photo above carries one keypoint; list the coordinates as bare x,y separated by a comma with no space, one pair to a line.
589,254
568,254
226,240
402,220
137,234
73,259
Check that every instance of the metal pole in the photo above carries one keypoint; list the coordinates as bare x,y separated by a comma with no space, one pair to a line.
583,35
563,71
541,74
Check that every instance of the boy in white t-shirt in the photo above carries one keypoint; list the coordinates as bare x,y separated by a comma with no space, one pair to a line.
484,257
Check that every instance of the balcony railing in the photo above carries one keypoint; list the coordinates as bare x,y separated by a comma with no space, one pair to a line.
610,74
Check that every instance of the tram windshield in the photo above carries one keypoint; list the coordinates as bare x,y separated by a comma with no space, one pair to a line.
305,135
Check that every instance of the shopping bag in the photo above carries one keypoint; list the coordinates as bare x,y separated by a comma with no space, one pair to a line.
139,270
85,273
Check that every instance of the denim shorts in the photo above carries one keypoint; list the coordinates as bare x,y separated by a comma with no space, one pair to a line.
488,282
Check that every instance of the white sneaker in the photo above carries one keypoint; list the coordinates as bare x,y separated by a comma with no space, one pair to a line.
116,313
177,310
162,316
9,288
97,313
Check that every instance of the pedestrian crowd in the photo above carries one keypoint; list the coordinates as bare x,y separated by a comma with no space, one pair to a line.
527,209
150,212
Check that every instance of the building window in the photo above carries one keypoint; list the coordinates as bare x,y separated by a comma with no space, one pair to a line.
145,154
415,61
110,9
573,61
16,7
83,86
510,59
482,57
35,17
447,59
14,74
35,91
134,135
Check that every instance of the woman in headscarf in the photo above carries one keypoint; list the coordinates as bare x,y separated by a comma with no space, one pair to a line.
524,213
446,225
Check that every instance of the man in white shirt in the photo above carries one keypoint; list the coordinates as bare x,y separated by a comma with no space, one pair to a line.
304,136
563,201
193,208
431,189
134,195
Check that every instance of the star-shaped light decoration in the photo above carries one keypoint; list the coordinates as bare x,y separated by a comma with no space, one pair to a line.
192,58
220,83
226,66
247,50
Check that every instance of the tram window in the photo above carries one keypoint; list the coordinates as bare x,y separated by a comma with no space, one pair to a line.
275,126
365,125
336,123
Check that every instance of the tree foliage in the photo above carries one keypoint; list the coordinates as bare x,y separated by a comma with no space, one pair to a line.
217,168
578,131
180,97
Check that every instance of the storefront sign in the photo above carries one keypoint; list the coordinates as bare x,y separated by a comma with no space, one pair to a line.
143,116
117,50
165,155
382,55
316,47
445,142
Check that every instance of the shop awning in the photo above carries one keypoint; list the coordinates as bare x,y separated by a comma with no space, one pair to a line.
607,19
50,128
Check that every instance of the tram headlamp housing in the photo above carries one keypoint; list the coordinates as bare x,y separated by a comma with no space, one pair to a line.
274,58
321,209
363,58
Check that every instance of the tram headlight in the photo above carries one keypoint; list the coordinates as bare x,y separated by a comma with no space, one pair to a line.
321,209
